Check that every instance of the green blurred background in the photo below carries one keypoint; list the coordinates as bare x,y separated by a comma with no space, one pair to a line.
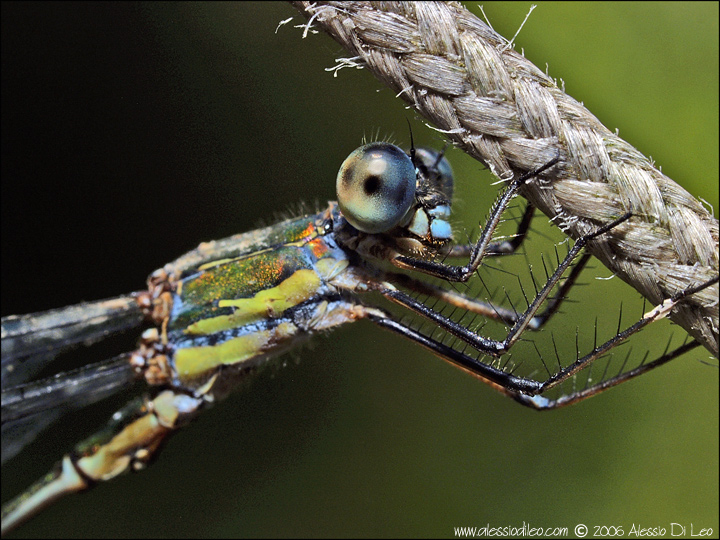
131,132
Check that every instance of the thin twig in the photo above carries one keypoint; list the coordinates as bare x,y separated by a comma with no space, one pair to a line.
501,109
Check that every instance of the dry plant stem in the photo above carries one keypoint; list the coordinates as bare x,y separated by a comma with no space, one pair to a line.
501,109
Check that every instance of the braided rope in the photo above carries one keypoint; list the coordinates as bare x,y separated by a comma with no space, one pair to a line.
501,109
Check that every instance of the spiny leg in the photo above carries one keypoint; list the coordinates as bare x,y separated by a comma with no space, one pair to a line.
487,309
528,391
541,403
657,313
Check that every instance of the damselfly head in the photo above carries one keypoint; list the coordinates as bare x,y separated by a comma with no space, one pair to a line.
382,189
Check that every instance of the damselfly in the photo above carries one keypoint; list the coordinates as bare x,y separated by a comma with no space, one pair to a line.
221,311
514,419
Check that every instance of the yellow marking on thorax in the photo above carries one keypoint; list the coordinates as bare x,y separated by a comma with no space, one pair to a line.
268,303
195,361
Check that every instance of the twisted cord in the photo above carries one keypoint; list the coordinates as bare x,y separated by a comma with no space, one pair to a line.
501,109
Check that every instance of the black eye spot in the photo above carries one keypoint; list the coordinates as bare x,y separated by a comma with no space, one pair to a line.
371,185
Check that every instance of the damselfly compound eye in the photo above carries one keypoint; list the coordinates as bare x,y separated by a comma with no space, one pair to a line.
376,187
